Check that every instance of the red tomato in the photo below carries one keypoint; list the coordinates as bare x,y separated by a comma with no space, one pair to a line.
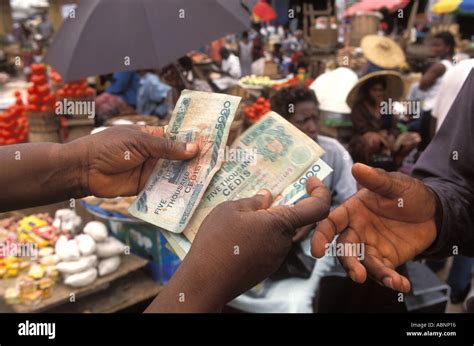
44,109
38,68
39,79
261,100
43,90
33,99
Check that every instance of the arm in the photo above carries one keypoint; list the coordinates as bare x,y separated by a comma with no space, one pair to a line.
447,168
398,217
430,77
120,83
212,273
115,162
40,173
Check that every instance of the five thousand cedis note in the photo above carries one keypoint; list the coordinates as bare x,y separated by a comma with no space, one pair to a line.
175,187
283,154
284,158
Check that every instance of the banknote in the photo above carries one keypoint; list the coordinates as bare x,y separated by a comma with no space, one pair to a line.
297,190
282,153
290,195
175,188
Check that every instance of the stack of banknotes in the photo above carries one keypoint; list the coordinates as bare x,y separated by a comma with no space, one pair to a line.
271,154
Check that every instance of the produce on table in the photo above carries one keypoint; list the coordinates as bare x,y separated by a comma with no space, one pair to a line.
77,89
81,279
40,97
255,111
108,265
75,257
97,230
86,244
110,247
253,80
13,123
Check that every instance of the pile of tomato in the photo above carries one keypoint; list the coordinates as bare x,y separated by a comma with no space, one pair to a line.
13,123
78,89
255,111
40,97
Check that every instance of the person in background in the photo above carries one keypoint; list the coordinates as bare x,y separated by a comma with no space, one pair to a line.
245,54
292,293
45,28
460,274
231,71
230,63
258,55
443,50
153,95
375,129
125,84
449,89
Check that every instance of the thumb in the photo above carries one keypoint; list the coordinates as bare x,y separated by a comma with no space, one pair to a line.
262,200
379,181
163,148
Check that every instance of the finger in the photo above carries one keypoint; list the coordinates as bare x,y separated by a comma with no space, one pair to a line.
351,255
385,275
262,200
378,180
354,268
158,131
335,223
162,148
308,211
302,233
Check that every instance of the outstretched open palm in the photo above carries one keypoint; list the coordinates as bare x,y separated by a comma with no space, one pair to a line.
392,215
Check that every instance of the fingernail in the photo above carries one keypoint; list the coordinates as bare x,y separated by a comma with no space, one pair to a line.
387,281
352,276
191,147
262,192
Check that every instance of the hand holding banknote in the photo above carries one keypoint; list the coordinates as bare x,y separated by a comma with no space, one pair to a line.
239,244
119,160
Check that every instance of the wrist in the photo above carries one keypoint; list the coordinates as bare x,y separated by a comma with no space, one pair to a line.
73,168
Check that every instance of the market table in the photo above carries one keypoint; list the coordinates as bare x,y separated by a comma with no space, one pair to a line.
62,294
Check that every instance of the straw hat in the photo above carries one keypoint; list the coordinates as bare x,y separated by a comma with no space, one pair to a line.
393,91
382,51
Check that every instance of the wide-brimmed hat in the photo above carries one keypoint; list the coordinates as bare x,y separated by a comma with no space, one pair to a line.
382,51
393,91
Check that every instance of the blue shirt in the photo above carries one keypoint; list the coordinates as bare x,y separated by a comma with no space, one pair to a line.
125,84
152,96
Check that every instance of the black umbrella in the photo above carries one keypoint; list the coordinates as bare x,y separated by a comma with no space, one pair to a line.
106,36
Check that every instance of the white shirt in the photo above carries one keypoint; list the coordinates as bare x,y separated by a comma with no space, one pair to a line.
232,66
433,92
449,89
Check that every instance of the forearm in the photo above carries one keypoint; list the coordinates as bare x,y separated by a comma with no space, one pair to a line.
191,289
454,221
38,174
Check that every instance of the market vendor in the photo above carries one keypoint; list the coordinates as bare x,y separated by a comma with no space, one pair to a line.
230,68
118,162
374,121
